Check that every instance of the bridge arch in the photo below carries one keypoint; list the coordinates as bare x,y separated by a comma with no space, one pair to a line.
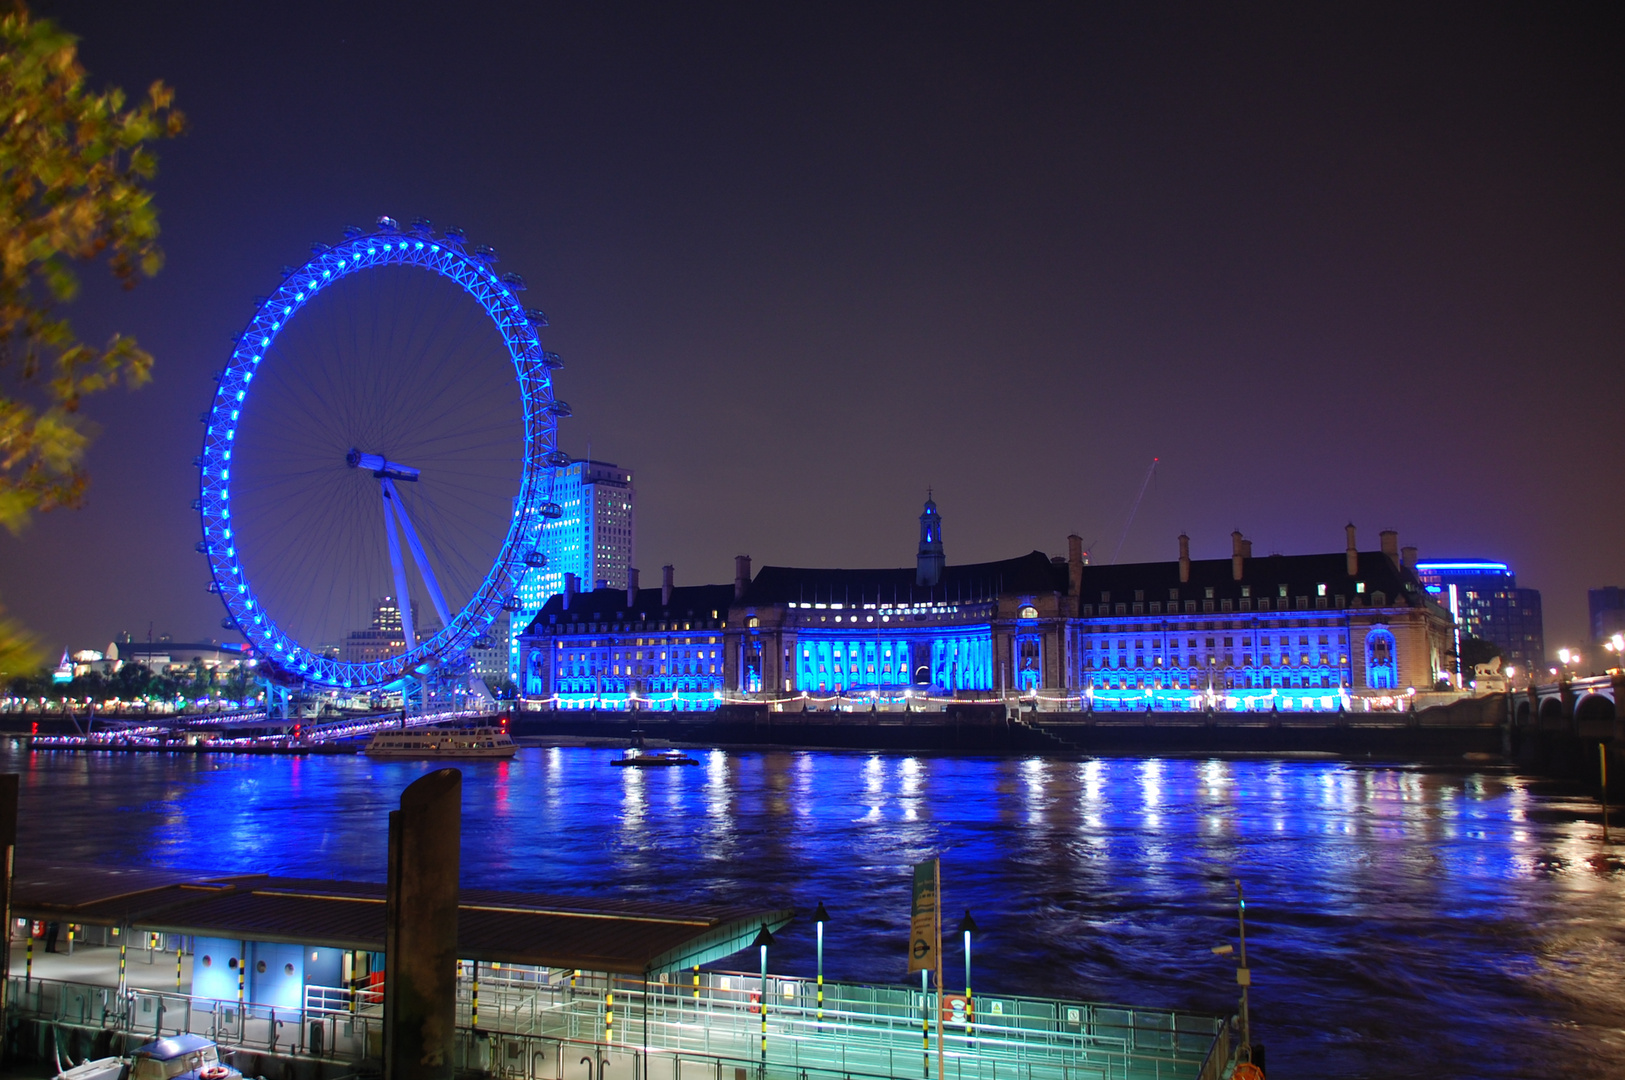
1551,712
1522,714
1595,709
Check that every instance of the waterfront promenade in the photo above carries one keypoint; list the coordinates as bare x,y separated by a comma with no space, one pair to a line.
539,1024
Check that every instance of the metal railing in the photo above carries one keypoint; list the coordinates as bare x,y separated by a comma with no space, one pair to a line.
537,1024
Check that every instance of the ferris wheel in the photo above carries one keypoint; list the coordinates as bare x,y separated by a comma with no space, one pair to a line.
378,462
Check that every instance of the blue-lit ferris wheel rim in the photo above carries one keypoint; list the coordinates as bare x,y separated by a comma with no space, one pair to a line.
474,275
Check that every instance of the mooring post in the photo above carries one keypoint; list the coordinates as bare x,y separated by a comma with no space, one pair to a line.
420,935
8,851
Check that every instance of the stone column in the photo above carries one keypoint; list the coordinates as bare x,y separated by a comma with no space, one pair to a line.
420,935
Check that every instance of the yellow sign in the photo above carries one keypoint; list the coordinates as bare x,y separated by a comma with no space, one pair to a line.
925,928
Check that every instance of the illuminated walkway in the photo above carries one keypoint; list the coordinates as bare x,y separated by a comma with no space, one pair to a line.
539,1024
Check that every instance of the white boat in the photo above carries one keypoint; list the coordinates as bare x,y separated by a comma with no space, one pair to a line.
437,742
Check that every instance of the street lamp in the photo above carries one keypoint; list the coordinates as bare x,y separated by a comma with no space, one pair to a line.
1244,975
966,926
820,917
763,940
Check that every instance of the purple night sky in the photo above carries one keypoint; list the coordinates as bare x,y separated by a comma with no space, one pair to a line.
1329,263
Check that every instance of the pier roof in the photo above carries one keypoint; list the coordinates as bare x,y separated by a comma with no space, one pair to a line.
594,934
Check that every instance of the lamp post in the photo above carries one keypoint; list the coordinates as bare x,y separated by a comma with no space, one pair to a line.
1244,975
763,940
820,916
966,926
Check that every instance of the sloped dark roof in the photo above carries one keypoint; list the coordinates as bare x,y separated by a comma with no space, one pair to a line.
601,605
620,935
1301,574
968,583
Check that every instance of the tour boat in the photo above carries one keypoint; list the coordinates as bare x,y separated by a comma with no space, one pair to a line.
436,742
636,759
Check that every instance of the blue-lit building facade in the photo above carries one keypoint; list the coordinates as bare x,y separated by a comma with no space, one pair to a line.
593,540
657,649
1349,630
1486,602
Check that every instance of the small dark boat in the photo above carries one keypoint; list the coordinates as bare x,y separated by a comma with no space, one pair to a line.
635,758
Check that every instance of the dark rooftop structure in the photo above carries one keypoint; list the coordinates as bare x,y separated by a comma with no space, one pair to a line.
610,605
968,582
632,937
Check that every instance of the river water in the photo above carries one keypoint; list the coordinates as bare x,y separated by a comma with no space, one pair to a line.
1404,919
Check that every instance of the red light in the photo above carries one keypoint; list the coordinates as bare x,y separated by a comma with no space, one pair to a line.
35,728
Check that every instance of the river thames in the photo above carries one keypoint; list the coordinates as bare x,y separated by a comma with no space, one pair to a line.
1404,920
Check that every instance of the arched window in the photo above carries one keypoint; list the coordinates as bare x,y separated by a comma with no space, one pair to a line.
1027,612
1381,663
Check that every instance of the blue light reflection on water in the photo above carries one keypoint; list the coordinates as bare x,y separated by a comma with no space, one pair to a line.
1456,919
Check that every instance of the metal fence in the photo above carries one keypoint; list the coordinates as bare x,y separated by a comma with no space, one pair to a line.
556,1024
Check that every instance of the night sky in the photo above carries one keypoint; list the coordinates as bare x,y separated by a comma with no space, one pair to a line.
1328,263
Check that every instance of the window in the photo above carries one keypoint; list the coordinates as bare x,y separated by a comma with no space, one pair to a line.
1028,612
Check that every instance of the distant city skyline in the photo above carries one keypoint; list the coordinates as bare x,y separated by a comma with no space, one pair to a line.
1326,264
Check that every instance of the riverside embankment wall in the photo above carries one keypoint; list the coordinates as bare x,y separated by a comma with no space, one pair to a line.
1476,728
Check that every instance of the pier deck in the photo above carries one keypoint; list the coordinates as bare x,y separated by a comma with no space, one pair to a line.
539,1023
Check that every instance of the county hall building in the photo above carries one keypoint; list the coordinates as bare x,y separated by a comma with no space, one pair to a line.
1345,630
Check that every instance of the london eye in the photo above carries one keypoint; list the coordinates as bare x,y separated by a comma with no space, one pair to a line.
379,459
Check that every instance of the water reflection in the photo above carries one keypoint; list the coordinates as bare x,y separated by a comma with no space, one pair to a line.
1466,920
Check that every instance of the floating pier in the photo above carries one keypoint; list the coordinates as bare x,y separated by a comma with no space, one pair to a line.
550,988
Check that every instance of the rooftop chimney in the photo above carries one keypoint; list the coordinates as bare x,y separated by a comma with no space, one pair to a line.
1390,545
741,575
1074,564
570,588
1184,557
1236,556
632,587
665,585
1353,551
1407,557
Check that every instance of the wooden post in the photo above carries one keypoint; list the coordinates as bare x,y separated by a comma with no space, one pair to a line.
420,930
8,851
1602,751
